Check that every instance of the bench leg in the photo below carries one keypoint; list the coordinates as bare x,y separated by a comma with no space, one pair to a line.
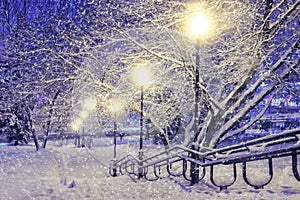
223,186
258,186
294,165
187,176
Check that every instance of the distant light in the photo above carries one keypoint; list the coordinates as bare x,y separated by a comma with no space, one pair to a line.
76,124
142,75
89,104
116,106
199,25
83,114
75,127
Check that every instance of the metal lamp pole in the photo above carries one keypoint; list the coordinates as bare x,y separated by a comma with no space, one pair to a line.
199,26
141,76
141,120
83,140
116,106
115,143
195,167
141,131
197,88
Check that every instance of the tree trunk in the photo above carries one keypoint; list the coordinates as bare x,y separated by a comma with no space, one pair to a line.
49,119
36,143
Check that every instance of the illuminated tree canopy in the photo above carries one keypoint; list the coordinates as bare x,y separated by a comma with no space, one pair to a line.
248,57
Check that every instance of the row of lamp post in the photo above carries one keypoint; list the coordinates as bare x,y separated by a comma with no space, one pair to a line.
198,27
88,106
141,76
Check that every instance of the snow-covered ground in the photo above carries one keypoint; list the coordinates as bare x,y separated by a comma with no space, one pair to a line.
65,172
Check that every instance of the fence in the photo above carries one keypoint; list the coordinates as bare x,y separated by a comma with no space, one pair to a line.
183,161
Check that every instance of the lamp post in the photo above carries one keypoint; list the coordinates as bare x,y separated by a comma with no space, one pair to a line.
198,27
88,106
115,108
83,115
142,76
77,138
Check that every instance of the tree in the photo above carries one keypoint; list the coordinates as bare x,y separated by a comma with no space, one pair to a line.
251,53
39,63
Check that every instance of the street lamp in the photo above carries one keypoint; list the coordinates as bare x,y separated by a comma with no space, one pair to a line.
75,127
83,115
141,76
88,106
198,27
115,107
